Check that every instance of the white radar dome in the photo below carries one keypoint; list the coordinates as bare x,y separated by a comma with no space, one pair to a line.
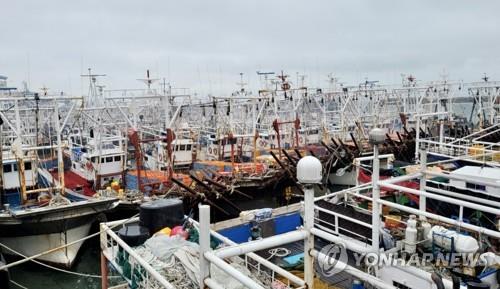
309,170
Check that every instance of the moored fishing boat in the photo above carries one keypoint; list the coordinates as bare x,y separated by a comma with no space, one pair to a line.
36,219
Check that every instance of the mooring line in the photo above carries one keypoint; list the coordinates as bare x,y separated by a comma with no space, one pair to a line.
7,266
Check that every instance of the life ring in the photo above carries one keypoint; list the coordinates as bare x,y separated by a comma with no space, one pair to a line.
262,143
301,139
160,157
89,166
215,151
210,150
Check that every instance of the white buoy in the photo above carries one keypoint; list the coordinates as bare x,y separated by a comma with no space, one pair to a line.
411,234
461,243
426,228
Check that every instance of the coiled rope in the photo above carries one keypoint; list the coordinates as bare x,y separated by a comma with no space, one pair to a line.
279,252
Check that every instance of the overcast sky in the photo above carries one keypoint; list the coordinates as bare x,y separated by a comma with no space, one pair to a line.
204,45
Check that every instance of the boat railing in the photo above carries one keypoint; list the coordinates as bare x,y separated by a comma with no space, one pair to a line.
444,196
261,267
138,273
336,228
476,151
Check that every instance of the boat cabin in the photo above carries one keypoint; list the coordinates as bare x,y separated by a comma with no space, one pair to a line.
482,174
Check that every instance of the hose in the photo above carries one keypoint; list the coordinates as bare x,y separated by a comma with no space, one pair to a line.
437,280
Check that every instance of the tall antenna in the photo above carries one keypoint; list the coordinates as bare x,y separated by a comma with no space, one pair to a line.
332,81
44,89
241,83
266,76
93,97
148,80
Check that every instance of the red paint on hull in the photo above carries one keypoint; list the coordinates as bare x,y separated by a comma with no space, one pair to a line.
73,181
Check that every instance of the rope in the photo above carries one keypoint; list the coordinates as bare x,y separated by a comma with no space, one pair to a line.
279,252
57,248
55,268
18,285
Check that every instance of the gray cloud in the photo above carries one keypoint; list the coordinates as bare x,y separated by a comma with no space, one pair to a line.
205,44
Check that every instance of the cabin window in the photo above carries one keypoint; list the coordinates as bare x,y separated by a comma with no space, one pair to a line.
399,285
93,159
7,168
14,167
118,158
74,166
188,147
27,166
109,159
103,160
146,158
475,186
183,147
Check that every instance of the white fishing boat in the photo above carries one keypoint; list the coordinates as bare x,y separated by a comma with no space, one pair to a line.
36,218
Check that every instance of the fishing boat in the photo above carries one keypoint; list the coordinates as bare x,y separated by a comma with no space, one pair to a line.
36,219
332,239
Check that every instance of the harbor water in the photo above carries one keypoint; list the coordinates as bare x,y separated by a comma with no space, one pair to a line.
35,276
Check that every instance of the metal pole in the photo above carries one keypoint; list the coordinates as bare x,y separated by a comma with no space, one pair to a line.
309,239
417,138
422,203
204,243
60,161
266,243
482,230
233,272
441,134
264,262
104,272
1,164
376,197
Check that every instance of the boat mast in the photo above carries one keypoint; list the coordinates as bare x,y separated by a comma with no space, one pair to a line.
18,153
60,161
1,163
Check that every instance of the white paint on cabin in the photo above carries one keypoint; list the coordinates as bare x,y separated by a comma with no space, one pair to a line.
89,160
182,150
11,178
483,174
